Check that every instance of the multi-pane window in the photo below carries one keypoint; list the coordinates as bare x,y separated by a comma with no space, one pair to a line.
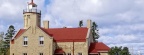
41,54
69,53
41,40
24,53
25,42
79,53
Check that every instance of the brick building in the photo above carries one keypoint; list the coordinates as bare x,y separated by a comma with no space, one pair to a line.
36,40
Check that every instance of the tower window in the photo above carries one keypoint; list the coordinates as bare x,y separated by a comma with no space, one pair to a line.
28,16
41,54
24,53
25,42
41,40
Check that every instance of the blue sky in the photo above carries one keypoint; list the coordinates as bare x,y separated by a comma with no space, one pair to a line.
121,22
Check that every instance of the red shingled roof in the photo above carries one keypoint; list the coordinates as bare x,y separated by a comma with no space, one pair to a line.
98,46
59,51
64,34
18,34
67,34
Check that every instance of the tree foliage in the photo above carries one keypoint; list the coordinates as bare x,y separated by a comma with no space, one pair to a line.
119,51
5,45
95,30
10,32
80,23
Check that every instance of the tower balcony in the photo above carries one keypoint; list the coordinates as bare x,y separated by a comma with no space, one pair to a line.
32,11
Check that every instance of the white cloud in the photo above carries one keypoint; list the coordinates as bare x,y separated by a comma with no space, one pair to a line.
119,39
2,26
13,8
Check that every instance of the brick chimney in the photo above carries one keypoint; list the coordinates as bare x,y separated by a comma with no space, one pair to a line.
89,23
46,24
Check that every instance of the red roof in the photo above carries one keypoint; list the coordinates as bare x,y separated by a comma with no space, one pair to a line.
67,34
64,34
32,3
98,46
59,51
18,34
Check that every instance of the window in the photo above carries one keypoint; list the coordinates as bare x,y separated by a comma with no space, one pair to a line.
69,53
79,53
41,54
28,16
41,40
25,41
24,53
13,53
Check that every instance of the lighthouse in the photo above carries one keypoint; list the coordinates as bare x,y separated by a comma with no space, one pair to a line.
32,16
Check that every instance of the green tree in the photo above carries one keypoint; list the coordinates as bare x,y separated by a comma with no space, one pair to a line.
5,45
3,48
126,51
10,32
119,51
95,30
80,23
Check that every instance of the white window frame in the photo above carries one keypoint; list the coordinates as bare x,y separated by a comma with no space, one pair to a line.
25,41
41,40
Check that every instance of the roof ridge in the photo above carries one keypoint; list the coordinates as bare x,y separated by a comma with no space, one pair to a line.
64,28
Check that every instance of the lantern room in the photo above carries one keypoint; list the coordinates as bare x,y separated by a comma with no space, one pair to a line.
31,8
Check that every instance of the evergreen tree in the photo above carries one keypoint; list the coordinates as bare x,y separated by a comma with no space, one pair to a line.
5,45
95,31
80,23
9,34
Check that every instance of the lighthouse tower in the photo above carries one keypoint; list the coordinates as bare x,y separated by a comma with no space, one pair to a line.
32,16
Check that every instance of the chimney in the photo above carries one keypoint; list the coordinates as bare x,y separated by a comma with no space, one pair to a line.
89,23
46,24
